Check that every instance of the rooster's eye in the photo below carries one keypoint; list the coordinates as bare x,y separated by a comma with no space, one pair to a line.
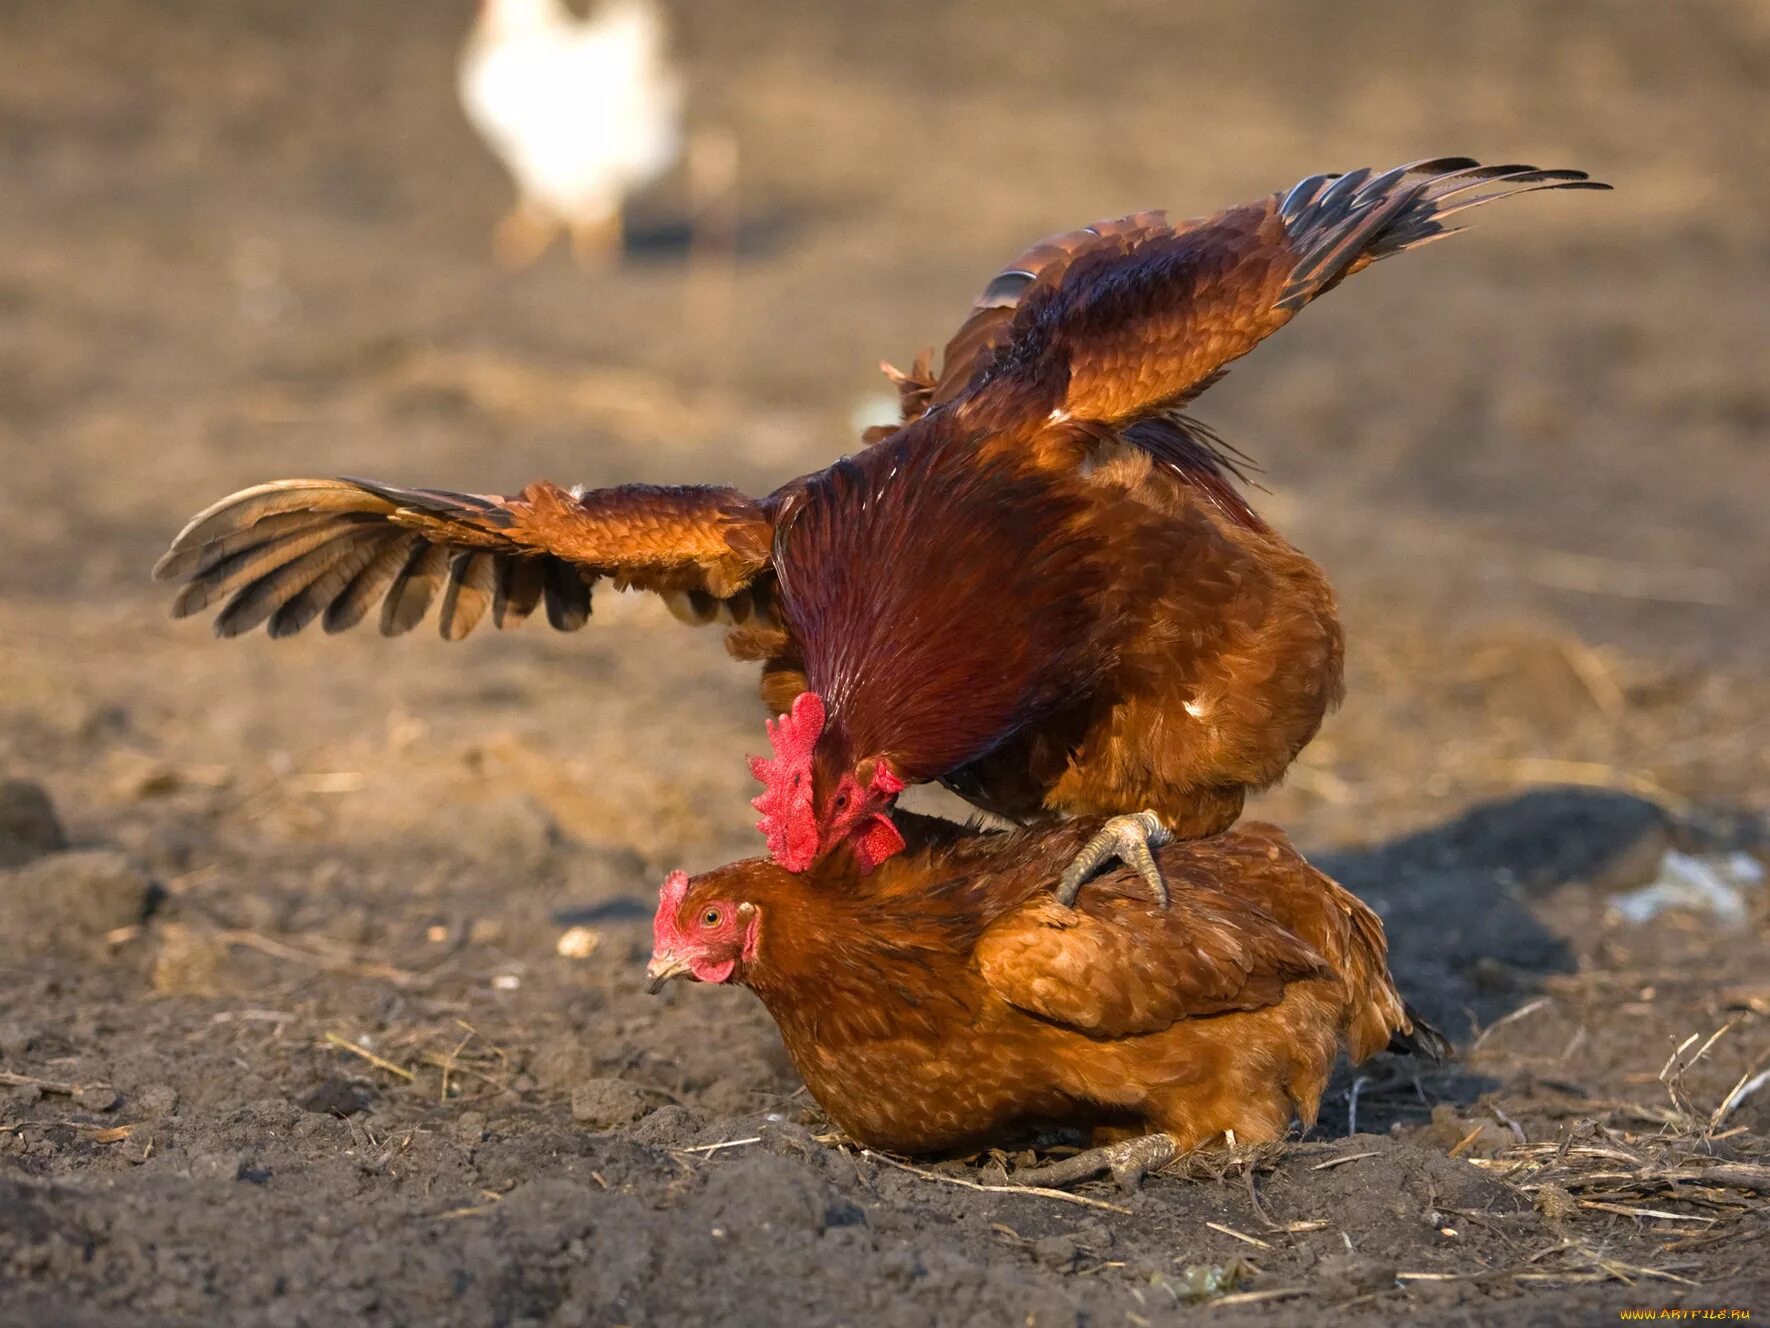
841,801
710,918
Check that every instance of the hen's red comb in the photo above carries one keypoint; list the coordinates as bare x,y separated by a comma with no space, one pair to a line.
787,820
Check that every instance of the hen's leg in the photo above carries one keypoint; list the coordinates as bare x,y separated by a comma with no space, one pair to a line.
1127,838
1129,1162
522,237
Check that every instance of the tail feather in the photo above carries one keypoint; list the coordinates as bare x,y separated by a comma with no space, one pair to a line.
1418,1038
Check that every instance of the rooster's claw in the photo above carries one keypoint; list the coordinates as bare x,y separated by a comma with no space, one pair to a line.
1127,838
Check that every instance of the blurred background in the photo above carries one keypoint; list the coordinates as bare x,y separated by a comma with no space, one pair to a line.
247,239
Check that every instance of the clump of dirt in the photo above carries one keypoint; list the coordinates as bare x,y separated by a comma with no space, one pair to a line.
29,827
74,902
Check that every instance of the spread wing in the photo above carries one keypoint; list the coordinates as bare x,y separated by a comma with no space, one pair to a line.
1118,965
292,551
1134,317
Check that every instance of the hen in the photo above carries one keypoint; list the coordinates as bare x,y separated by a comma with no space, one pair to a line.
1044,589
582,112
947,1002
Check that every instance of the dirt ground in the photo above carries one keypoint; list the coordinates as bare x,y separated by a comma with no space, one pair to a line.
287,1038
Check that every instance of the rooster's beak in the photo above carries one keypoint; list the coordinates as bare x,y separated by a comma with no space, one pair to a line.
662,968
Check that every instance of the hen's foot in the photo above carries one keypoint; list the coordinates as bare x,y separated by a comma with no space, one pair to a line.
1129,1162
1129,839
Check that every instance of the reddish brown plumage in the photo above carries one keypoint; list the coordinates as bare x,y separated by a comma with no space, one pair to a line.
1043,588
945,1001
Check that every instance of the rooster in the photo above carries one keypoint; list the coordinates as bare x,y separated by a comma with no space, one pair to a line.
582,112
1044,589
947,1002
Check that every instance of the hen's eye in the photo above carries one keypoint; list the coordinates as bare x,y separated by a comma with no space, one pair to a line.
710,918
841,801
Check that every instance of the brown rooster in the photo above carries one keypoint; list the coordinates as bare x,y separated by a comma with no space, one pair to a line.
947,1002
1043,589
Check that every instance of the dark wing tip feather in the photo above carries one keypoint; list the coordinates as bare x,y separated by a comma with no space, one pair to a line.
288,552
518,590
1337,224
467,595
567,596
294,551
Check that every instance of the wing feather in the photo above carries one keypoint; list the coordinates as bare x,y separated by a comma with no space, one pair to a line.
520,582
224,576
408,598
1137,315
313,598
292,551
368,585
472,581
1118,965
262,597
568,597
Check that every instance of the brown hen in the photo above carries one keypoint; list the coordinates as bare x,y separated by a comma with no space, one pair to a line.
947,1002
1043,589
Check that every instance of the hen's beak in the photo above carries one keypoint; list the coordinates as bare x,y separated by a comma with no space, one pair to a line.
662,968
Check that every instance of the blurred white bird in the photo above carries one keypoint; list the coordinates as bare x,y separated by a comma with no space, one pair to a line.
582,112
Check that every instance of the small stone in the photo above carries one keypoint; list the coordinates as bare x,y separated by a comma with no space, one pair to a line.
98,1098
470,1128
1555,1203
604,1104
155,1101
29,827
577,942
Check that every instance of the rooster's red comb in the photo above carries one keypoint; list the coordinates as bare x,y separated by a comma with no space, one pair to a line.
787,819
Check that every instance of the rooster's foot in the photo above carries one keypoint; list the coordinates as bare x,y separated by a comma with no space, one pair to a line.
1129,839
1129,1162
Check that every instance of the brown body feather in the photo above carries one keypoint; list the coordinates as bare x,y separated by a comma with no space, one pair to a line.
947,1002
940,601
1044,587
